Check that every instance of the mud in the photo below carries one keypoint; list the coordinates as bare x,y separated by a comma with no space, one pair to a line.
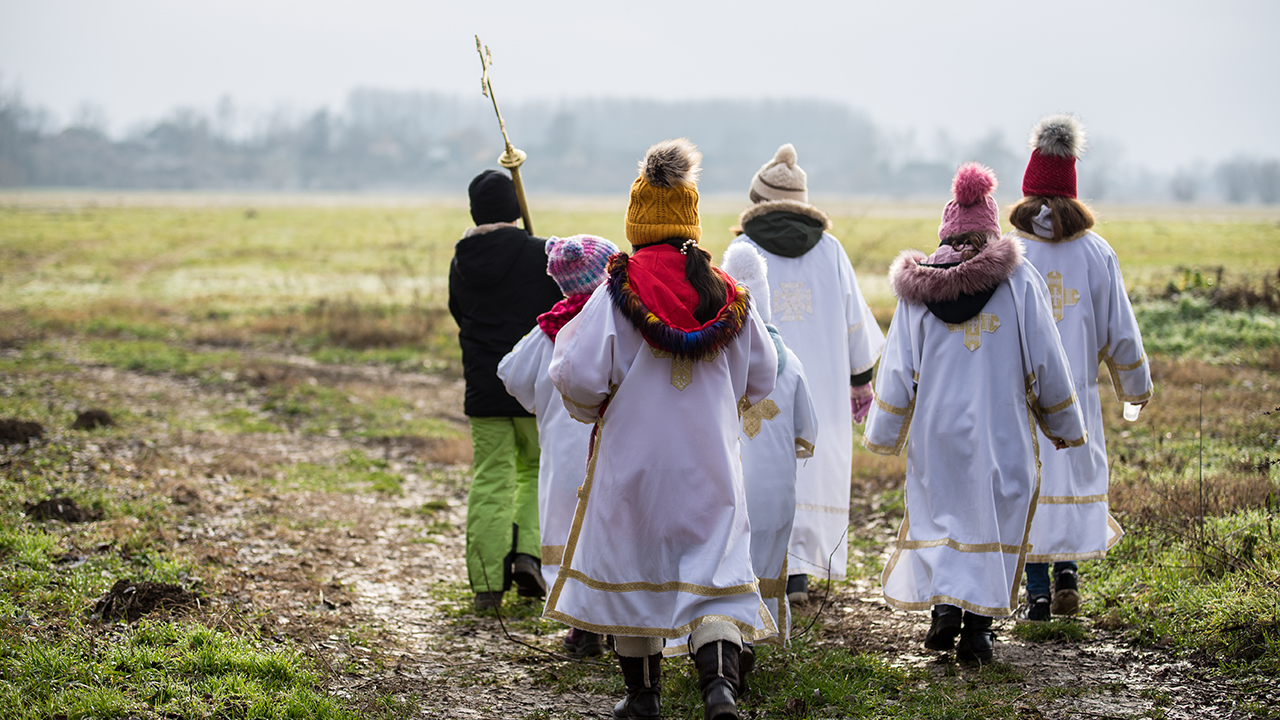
64,509
14,431
130,600
374,588
92,419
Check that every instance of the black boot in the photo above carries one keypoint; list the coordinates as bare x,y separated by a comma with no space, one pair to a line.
944,628
976,639
717,664
643,677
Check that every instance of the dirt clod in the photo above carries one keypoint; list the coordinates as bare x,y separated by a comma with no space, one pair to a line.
62,508
184,495
131,599
92,419
14,431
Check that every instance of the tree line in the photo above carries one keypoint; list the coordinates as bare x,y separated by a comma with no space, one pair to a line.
422,141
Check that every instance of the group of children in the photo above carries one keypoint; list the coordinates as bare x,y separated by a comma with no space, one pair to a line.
695,444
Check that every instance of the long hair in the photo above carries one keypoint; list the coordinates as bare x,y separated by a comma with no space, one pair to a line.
969,244
706,281
1069,215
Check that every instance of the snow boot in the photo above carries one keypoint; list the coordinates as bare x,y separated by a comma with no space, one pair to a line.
944,628
717,664
976,639
643,678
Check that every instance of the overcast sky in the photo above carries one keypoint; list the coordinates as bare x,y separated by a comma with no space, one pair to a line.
1170,81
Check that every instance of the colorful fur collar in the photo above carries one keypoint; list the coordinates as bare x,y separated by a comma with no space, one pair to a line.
921,284
700,344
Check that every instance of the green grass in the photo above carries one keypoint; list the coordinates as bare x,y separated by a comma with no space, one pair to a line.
156,669
353,472
209,296
1190,327
1056,630
1213,589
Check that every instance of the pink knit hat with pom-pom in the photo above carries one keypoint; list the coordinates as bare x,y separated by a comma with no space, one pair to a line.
577,263
973,208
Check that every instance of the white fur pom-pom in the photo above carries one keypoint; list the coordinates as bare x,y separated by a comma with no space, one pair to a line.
1059,135
744,264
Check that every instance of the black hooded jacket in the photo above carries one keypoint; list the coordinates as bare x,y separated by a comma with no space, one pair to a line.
498,286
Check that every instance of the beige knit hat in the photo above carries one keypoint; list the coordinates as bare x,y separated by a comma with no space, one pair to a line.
780,178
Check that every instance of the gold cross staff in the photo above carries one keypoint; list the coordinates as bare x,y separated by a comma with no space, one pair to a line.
513,157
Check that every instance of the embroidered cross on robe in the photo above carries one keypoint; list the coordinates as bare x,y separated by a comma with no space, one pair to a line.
792,301
974,327
754,417
1060,296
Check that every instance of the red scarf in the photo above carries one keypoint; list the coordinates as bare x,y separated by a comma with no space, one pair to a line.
561,313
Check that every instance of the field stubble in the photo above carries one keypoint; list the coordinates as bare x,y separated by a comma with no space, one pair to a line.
288,442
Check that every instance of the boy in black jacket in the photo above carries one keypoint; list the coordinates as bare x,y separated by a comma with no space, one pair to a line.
498,285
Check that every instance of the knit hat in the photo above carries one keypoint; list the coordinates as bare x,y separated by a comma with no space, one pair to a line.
664,199
577,263
748,267
973,208
1056,142
493,198
780,178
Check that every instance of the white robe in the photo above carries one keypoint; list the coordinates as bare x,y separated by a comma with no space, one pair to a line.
1096,323
775,433
819,308
660,541
971,396
564,442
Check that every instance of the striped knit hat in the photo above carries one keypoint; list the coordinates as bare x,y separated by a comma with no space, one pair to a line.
780,178
577,263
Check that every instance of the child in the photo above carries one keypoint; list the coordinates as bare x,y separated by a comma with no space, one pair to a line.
663,358
1096,323
974,363
498,286
577,264
819,309
775,432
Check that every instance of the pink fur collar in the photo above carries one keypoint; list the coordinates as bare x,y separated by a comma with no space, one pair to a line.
919,284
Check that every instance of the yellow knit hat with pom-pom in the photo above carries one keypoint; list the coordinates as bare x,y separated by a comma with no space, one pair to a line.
664,199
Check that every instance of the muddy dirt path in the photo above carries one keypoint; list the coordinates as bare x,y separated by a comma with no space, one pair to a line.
381,602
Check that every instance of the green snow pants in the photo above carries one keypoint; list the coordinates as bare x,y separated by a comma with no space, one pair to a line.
503,501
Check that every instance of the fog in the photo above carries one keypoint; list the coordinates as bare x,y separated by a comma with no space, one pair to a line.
1178,96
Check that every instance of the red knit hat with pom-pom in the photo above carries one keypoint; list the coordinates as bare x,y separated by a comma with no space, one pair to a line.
1056,142
973,208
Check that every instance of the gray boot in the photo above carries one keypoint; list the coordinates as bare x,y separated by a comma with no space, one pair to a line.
643,677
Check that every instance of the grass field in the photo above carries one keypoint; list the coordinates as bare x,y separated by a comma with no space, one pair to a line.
266,354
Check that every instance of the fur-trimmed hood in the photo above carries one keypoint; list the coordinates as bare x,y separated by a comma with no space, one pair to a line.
963,283
792,206
787,228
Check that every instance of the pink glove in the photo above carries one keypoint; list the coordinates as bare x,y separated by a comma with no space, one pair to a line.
860,397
